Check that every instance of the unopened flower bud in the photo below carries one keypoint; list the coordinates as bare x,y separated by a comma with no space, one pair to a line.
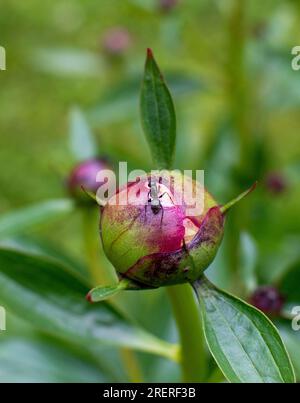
155,233
83,177
116,41
268,299
275,183
167,5
153,238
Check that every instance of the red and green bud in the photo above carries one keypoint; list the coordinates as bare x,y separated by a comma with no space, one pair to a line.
83,177
163,246
171,244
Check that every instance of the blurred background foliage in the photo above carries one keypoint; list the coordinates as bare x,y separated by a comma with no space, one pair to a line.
228,64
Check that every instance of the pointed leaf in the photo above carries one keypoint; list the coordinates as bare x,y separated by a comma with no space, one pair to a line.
248,261
101,292
82,142
18,221
291,338
158,115
43,360
52,298
237,199
244,342
119,102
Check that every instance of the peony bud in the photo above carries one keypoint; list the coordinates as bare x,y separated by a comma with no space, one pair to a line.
167,5
160,240
275,183
116,41
83,176
268,299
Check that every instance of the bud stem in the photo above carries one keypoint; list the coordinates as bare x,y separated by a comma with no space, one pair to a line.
187,316
95,259
100,275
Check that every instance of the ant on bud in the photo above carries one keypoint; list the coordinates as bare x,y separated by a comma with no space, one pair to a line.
154,198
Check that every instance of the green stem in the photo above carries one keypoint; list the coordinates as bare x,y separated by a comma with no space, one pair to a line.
131,365
234,201
236,78
188,319
100,274
238,93
99,271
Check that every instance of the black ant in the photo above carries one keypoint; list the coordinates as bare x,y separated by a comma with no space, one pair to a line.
155,199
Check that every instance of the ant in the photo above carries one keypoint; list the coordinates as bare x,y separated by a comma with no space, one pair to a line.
154,198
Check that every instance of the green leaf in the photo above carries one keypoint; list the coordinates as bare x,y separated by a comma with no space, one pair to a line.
119,103
41,247
99,361
248,261
52,298
244,342
82,143
67,62
100,293
43,360
19,221
292,340
158,115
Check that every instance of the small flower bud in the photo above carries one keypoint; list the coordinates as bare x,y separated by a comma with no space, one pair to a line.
83,176
268,299
116,41
167,5
275,183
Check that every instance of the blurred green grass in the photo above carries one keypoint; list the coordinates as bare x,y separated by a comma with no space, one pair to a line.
35,104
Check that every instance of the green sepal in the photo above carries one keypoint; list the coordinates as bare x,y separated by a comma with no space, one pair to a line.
232,202
102,292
